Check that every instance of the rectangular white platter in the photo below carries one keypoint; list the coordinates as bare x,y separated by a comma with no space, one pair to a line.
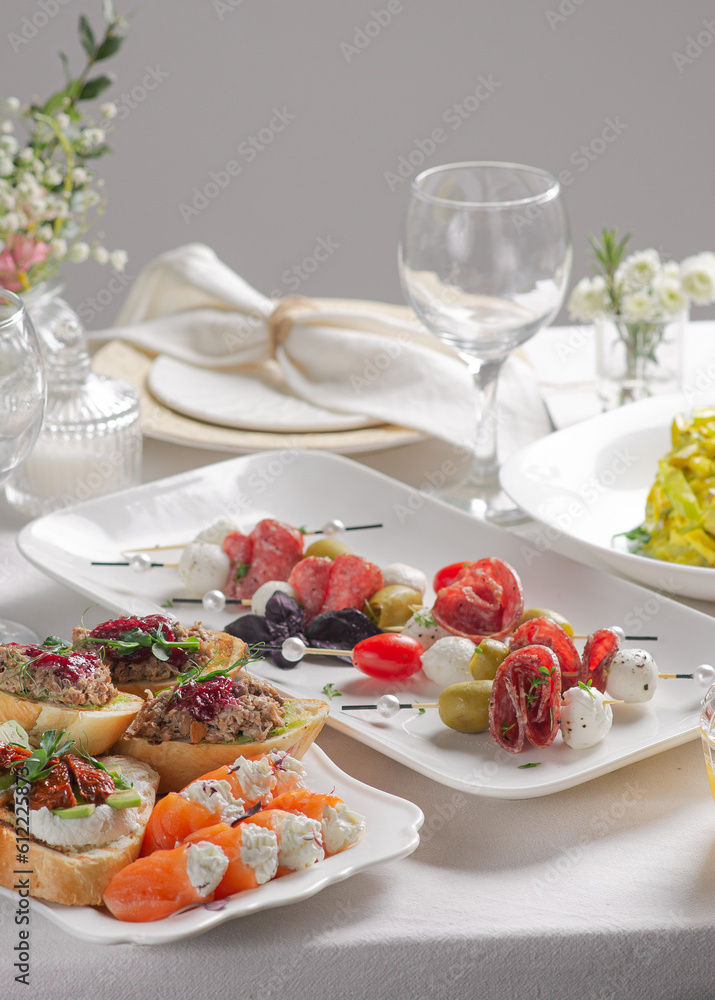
391,833
308,489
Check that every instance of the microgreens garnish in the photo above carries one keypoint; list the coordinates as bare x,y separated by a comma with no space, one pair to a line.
587,687
136,638
425,619
505,729
82,750
241,571
38,765
330,691
421,711
544,675
533,763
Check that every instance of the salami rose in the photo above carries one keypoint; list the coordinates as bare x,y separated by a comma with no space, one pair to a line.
545,632
486,599
309,579
601,647
351,581
526,698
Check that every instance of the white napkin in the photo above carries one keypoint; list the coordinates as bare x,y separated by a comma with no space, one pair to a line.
350,357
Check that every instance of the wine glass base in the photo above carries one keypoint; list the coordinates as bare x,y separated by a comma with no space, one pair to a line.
15,632
492,505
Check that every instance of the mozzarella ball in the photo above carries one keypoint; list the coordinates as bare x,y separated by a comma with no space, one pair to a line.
266,591
585,720
406,575
216,532
422,627
633,676
203,566
447,661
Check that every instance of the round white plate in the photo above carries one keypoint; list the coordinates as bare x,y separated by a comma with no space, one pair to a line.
589,483
251,402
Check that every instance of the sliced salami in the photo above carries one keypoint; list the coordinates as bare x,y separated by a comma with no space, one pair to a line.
351,581
486,599
309,579
239,549
526,698
277,547
545,632
601,647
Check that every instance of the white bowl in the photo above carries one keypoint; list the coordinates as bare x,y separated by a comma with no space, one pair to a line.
589,483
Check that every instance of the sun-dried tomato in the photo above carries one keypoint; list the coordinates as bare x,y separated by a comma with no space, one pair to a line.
54,791
94,785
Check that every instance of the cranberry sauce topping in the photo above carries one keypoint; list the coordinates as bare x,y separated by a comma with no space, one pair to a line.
69,666
205,700
152,623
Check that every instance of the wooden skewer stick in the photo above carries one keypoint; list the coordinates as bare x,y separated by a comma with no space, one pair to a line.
327,652
158,548
182,545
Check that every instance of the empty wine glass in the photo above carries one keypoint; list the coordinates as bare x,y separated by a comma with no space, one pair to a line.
485,258
22,402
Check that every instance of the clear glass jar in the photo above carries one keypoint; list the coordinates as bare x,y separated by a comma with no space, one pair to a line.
636,359
91,441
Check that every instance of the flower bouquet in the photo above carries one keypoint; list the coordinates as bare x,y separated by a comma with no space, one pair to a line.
639,305
49,195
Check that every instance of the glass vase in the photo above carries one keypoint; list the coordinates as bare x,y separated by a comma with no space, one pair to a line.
91,441
636,359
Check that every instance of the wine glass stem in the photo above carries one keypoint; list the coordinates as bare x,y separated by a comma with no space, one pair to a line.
485,467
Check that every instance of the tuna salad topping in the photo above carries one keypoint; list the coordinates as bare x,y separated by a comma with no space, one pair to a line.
217,710
147,649
57,672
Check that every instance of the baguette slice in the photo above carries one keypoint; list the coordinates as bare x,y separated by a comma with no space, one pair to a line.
180,763
78,878
102,726
229,649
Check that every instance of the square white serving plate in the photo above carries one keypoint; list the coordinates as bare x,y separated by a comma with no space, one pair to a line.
391,833
590,482
308,489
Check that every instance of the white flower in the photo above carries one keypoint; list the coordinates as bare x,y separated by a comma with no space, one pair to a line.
670,295
671,269
109,110
638,269
118,259
58,247
62,120
9,144
79,252
698,277
10,222
638,305
6,165
92,136
12,103
589,298
101,255
26,155
45,233
52,177
79,175
7,126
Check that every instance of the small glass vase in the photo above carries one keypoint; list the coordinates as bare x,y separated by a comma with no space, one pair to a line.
636,359
91,440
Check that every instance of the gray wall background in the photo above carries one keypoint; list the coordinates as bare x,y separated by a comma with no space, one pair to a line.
559,71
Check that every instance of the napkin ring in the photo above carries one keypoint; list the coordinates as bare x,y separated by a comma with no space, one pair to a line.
280,322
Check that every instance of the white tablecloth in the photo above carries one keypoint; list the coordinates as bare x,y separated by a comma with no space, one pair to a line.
603,891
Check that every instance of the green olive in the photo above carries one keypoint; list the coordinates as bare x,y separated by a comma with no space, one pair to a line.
547,613
391,605
329,547
486,658
465,706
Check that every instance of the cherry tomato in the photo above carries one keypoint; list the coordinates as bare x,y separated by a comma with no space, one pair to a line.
447,575
389,657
